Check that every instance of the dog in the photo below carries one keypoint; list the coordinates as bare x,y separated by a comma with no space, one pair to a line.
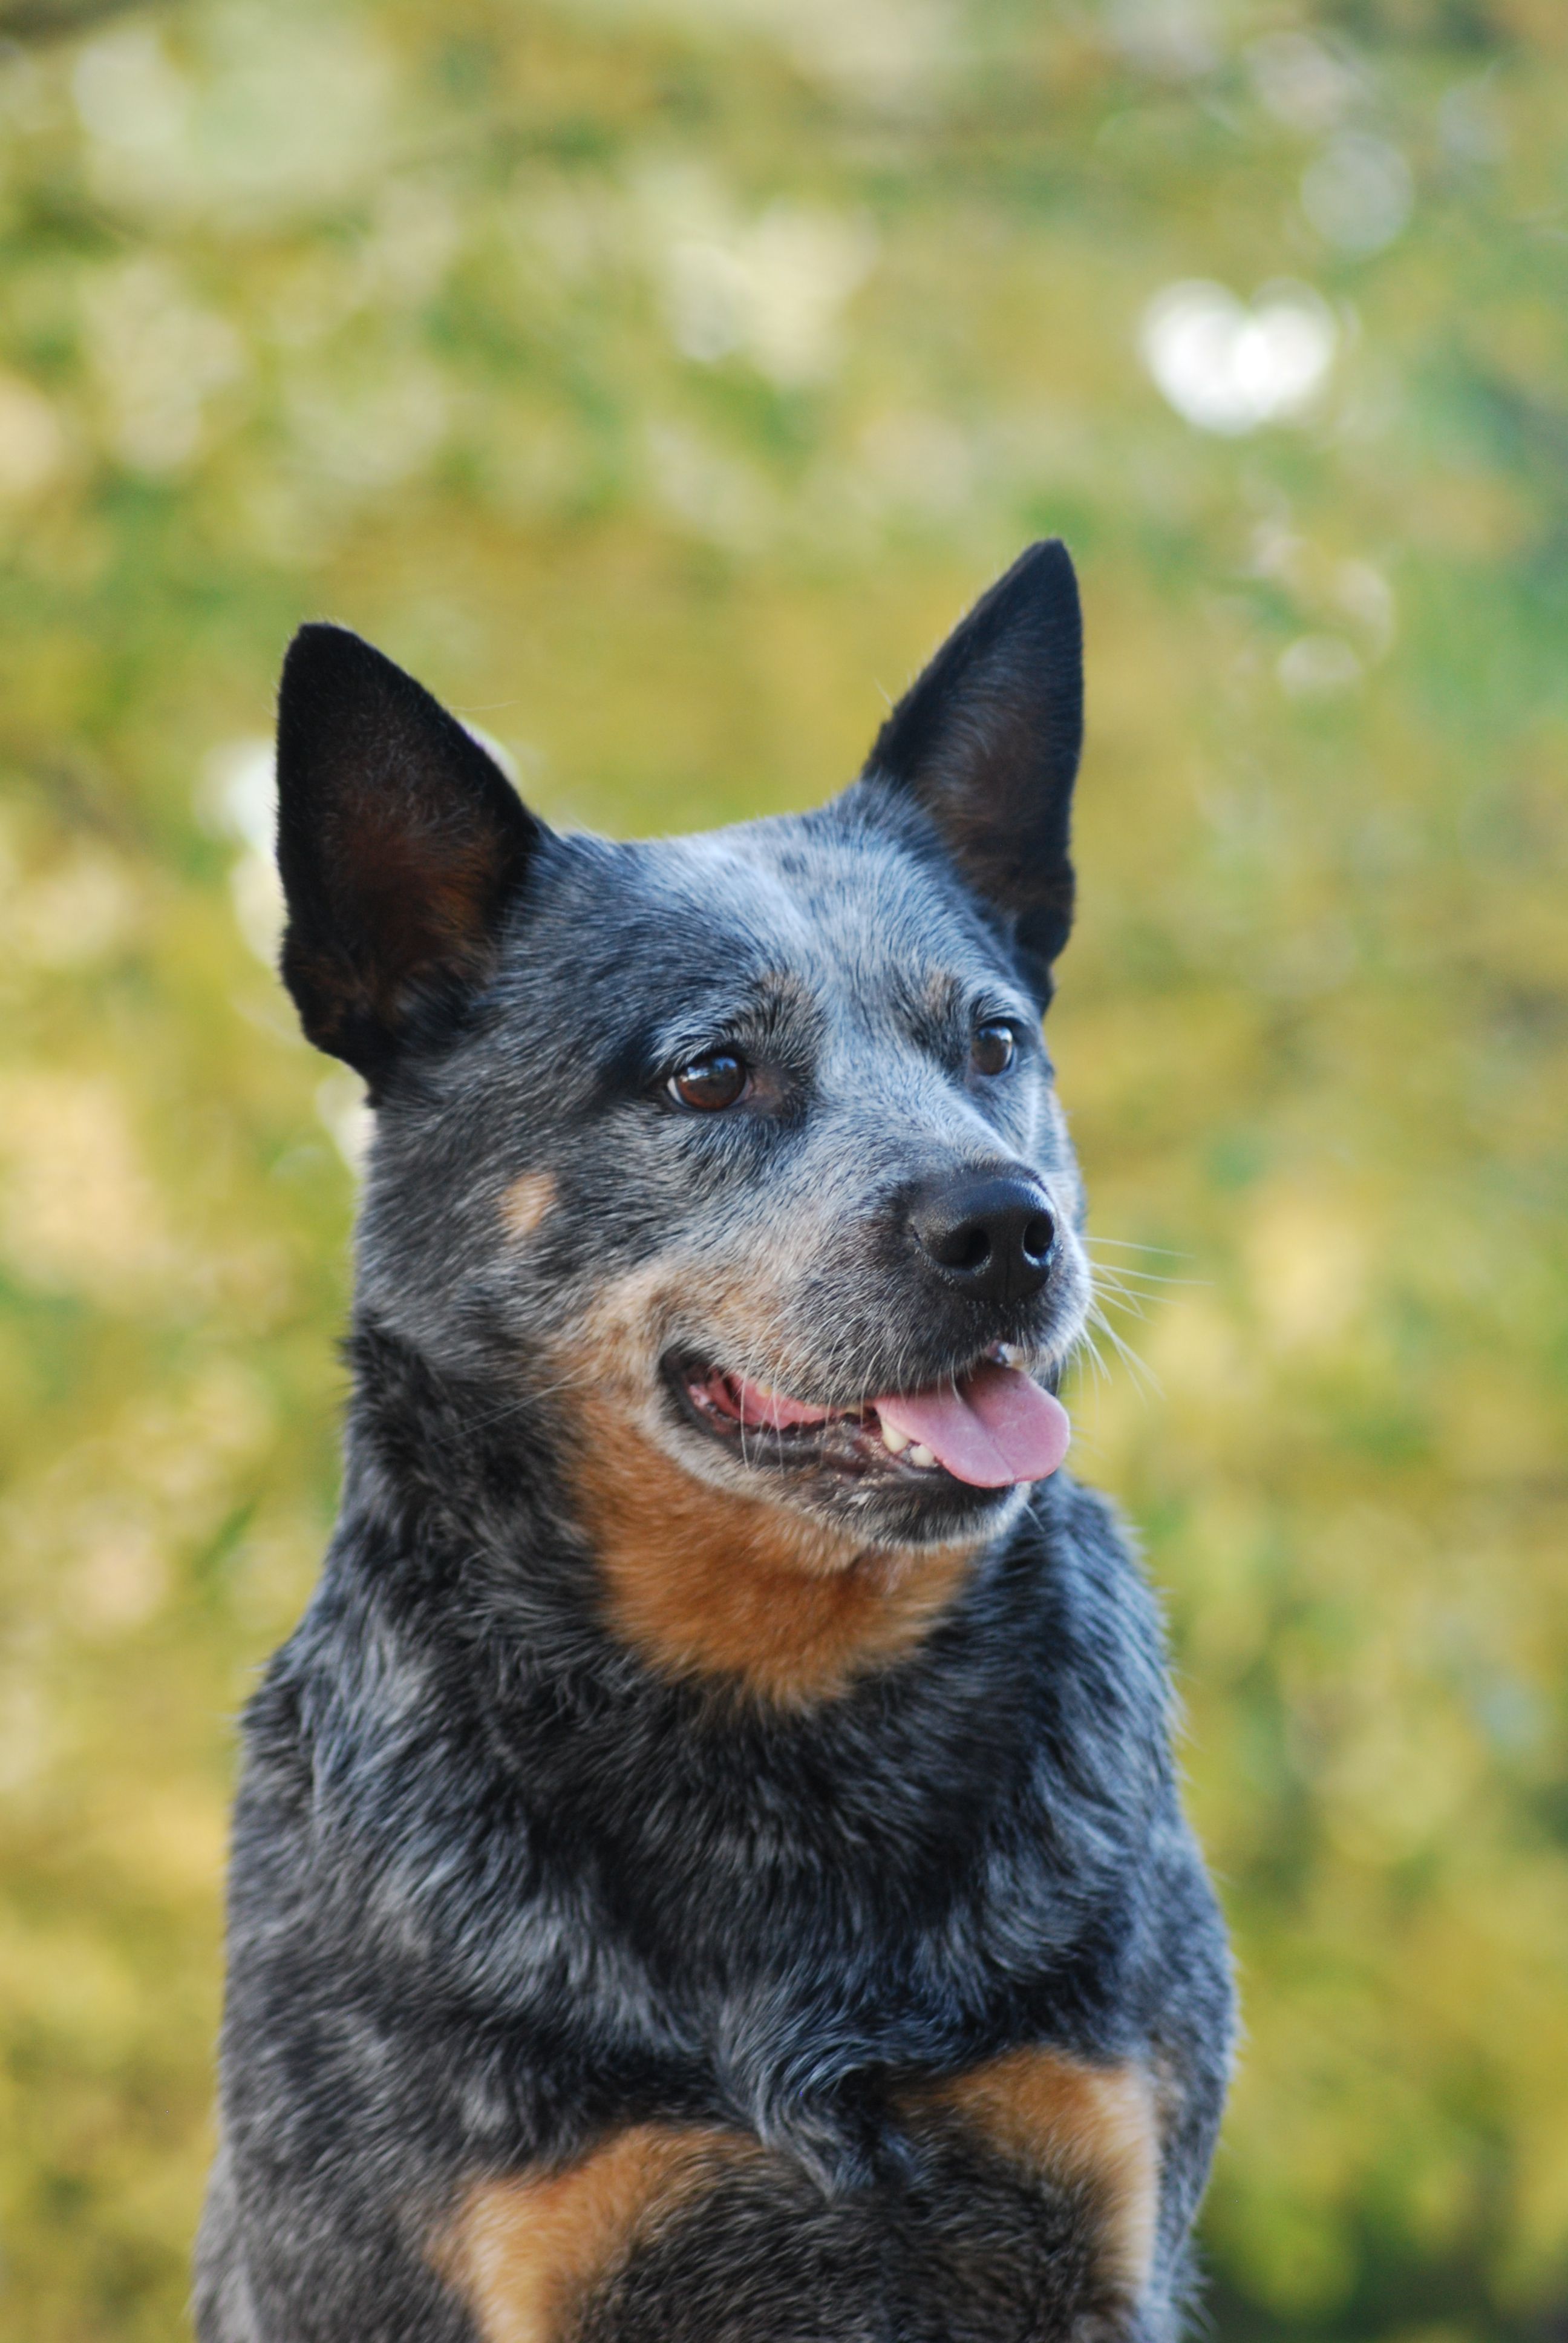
708,1866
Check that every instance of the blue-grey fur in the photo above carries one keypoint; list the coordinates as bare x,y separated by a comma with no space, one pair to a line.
499,1884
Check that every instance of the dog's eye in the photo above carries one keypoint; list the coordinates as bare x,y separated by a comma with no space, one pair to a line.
993,1049
708,1083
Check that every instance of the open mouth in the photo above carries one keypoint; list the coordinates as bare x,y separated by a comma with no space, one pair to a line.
989,1427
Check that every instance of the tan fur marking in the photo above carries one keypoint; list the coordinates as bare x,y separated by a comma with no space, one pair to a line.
523,2253
706,1583
525,1202
1092,2124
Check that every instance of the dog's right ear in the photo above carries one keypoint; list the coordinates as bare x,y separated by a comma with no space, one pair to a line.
399,845
986,741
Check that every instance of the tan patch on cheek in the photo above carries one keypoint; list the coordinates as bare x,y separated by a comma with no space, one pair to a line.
525,1202
702,1583
524,2254
1091,2126
615,1345
709,1583
619,1339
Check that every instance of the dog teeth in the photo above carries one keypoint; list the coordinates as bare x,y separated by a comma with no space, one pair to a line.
894,1443
922,1456
1008,1354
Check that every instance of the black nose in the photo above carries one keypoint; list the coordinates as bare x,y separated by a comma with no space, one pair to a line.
990,1234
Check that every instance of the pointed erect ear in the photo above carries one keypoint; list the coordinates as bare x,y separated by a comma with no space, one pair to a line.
400,844
987,741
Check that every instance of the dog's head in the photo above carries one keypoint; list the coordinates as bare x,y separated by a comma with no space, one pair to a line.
742,1145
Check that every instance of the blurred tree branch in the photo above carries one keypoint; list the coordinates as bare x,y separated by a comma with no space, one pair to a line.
56,20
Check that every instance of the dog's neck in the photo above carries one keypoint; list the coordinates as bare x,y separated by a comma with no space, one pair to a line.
755,1598
705,1583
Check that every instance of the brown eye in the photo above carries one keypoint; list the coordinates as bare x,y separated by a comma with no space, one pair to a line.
993,1049
708,1083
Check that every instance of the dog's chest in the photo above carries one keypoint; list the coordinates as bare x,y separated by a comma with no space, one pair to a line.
1012,2203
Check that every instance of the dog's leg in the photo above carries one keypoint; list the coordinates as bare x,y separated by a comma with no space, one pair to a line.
223,2307
525,2253
1090,2137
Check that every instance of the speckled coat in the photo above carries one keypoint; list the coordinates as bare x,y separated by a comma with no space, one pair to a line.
695,1886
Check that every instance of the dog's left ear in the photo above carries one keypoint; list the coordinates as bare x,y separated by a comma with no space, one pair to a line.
987,740
400,845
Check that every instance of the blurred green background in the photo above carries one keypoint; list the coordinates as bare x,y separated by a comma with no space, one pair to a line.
658,379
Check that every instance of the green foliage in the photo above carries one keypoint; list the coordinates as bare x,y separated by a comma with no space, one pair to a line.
652,377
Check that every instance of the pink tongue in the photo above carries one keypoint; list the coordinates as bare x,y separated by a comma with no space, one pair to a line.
997,1427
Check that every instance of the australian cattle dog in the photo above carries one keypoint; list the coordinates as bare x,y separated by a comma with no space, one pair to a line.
708,1866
